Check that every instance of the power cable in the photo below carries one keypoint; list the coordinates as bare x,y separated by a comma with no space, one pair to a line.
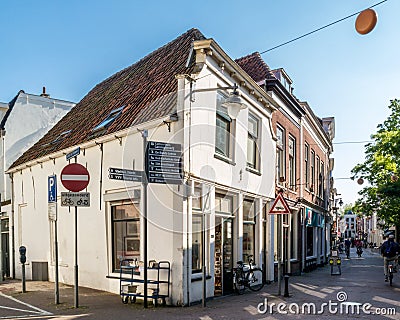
328,25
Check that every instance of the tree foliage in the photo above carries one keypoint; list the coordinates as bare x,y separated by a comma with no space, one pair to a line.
381,170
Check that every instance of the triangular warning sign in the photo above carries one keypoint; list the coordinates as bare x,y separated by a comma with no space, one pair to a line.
279,206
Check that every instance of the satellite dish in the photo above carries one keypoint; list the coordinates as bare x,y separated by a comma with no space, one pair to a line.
366,21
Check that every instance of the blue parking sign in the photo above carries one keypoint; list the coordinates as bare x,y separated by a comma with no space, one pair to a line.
52,188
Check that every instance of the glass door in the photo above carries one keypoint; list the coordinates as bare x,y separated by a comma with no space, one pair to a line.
223,264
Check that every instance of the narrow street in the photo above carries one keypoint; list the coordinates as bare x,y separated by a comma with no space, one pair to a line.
360,284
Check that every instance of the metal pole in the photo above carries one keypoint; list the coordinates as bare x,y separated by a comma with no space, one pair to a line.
56,287
203,258
23,279
145,183
279,249
76,290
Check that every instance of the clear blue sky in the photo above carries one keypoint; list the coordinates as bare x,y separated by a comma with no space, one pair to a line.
70,46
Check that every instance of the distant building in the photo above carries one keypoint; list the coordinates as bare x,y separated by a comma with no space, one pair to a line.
351,225
24,121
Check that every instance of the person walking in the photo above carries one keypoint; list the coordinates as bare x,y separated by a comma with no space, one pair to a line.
390,251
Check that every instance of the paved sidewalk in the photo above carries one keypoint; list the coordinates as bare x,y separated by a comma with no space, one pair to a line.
361,282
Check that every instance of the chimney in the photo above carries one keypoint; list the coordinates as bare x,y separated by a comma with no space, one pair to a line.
44,94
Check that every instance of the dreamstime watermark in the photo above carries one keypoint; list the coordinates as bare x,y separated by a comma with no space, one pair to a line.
339,306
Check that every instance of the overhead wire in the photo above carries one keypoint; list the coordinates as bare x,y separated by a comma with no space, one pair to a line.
319,29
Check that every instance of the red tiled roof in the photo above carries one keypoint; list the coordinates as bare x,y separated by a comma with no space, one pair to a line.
147,89
255,66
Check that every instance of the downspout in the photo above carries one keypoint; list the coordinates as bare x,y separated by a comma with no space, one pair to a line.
12,226
101,171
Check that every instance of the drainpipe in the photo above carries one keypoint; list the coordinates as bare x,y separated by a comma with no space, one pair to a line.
12,226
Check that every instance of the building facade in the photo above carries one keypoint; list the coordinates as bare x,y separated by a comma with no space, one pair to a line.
177,94
24,120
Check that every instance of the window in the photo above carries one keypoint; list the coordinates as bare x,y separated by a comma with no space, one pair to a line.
223,204
280,154
318,169
197,241
249,229
322,180
223,128
253,152
107,122
306,164
292,163
125,220
312,171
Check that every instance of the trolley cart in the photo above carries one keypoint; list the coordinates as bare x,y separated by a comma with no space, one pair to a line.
158,283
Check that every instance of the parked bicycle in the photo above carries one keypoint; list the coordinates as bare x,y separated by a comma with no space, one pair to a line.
247,275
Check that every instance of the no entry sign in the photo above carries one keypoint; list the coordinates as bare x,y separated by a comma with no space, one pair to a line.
75,177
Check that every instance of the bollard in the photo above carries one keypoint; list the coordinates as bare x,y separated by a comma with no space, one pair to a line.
286,294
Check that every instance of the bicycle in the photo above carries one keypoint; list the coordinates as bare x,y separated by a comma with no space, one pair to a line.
391,270
247,275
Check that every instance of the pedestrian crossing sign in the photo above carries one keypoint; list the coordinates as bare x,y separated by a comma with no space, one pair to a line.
280,206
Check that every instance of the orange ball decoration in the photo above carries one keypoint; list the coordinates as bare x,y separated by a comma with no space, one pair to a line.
366,21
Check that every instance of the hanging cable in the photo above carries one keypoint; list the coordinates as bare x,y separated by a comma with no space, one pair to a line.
326,26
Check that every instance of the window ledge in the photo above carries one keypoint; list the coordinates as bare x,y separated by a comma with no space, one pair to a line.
255,171
225,159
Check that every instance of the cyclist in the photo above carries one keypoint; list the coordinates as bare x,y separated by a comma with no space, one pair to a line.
390,250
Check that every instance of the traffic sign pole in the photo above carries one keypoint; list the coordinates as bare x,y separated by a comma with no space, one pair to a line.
145,184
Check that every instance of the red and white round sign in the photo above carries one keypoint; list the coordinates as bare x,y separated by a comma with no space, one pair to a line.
75,177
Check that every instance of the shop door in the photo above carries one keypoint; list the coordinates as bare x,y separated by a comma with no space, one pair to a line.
223,256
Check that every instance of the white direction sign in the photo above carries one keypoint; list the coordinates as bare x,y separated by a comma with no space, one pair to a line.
75,199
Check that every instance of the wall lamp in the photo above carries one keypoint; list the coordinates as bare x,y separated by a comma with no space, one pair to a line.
172,118
234,103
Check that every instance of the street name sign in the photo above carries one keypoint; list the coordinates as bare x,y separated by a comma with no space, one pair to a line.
73,153
163,162
125,174
75,177
75,199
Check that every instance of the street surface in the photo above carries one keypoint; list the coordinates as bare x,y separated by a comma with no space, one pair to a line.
318,294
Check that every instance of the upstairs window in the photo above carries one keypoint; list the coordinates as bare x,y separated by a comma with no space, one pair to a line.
253,152
307,166
223,128
280,155
292,162
312,187
109,120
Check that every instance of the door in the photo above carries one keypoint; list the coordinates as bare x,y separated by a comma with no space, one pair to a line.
5,247
223,264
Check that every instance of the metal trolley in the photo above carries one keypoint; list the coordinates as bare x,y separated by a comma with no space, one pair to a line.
129,281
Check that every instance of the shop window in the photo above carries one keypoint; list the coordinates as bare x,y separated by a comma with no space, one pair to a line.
293,235
310,241
197,242
125,220
249,228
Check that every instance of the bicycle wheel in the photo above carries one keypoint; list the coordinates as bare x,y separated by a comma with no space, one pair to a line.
238,282
255,280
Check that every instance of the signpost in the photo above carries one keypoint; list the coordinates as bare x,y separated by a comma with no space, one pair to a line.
280,207
75,178
52,212
163,163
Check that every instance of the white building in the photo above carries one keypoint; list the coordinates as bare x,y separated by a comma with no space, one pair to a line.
24,120
176,93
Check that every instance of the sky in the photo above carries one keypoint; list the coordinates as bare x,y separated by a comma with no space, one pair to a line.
70,46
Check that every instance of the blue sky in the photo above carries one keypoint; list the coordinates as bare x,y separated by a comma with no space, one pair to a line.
70,46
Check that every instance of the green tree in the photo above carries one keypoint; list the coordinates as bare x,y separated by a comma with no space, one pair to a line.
381,169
